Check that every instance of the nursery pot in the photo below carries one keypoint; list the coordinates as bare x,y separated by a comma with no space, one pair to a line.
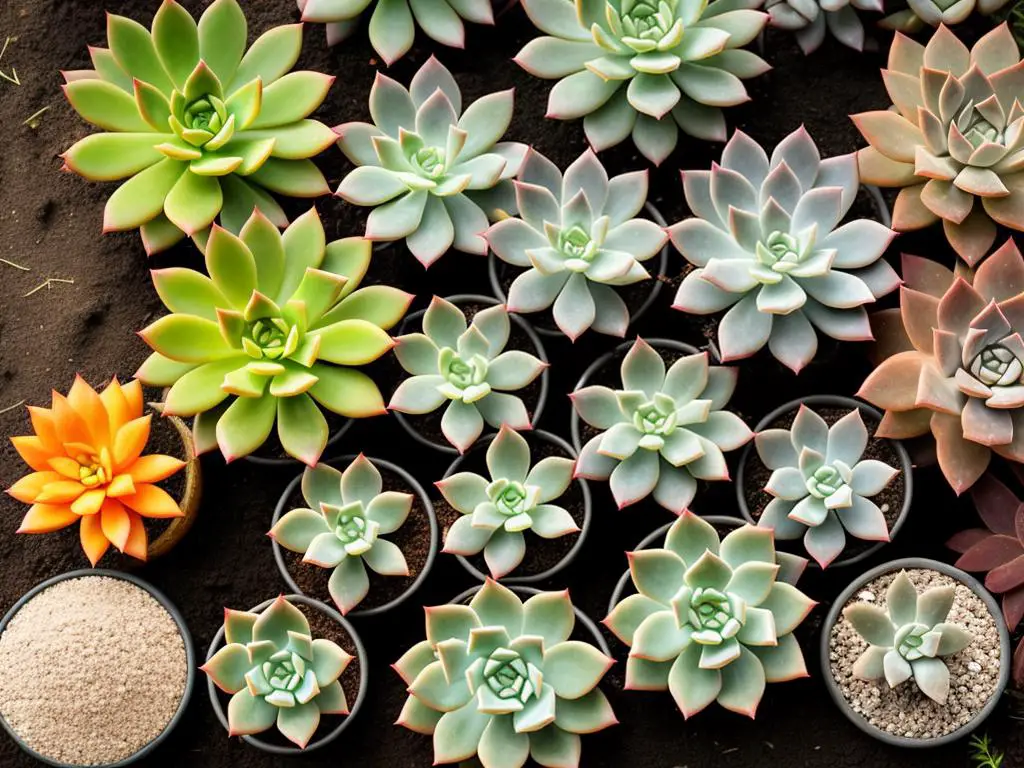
354,707
532,578
839,402
1005,652
497,269
190,660
414,321
190,497
414,487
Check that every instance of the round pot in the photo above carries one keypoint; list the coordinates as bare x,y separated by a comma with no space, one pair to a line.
286,461
1005,652
575,426
354,707
527,592
496,269
577,547
470,298
428,508
190,497
186,637
835,401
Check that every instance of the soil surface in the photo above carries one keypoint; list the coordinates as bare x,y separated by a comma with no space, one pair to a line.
50,224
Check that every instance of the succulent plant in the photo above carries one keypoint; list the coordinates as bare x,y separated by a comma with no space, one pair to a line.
908,637
663,430
766,241
393,24
87,465
500,679
198,129
644,67
808,20
921,13
710,620
579,238
957,370
517,498
341,529
953,138
277,328
434,172
277,673
465,365
821,484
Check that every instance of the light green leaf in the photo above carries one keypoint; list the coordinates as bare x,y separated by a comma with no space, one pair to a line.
245,425
141,198
106,106
270,56
231,266
222,37
346,391
133,48
352,342
194,202
200,389
302,428
294,178
176,41
292,98
187,338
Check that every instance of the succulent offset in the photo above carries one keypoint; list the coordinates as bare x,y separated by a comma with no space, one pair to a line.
821,483
500,679
644,68
88,467
710,621
768,246
199,126
393,23
921,13
517,498
579,238
272,334
956,364
465,365
809,19
908,638
954,138
433,172
277,673
341,529
663,430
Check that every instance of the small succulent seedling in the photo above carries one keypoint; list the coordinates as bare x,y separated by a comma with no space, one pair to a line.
710,621
88,467
908,638
198,129
958,367
432,172
579,238
810,20
277,673
952,139
464,365
516,499
645,68
766,241
274,331
663,430
500,679
822,483
341,529
393,23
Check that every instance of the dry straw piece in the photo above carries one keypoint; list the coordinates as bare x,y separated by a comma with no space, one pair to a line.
95,669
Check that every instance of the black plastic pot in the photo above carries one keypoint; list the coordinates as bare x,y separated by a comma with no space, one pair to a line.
835,401
496,268
414,321
354,707
580,537
1005,651
190,659
416,488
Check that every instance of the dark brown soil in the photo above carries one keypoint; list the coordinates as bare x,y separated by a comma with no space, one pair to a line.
413,538
890,500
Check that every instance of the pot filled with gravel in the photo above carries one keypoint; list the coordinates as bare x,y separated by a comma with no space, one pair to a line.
916,653
73,630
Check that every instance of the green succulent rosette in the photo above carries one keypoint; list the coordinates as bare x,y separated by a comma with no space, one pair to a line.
198,126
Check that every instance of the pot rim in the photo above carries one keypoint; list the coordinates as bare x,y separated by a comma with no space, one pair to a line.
906,466
553,332
1005,651
576,548
476,298
289,461
183,631
428,508
191,496
275,749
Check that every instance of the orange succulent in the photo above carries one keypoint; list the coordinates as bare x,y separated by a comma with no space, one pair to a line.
88,462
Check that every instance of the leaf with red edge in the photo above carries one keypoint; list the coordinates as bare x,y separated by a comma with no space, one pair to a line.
1006,577
1013,607
997,505
1018,665
990,553
964,540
